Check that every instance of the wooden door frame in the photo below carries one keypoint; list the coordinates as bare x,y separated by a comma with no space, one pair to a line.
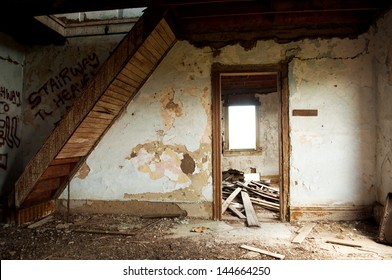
281,71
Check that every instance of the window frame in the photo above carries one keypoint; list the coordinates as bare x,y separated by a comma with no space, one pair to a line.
225,145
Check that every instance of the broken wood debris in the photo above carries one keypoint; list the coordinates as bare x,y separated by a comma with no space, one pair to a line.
264,252
302,233
40,222
344,243
257,193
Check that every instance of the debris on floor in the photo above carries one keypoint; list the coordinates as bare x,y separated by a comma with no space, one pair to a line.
260,193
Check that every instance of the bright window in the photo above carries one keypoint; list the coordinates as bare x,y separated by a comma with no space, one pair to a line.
242,127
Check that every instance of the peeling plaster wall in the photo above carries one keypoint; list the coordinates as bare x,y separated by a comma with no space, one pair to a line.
160,148
11,81
54,77
383,86
267,162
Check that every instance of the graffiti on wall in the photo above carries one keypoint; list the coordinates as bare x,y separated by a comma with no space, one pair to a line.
59,89
8,124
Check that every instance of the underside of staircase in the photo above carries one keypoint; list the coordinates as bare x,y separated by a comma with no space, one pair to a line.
92,114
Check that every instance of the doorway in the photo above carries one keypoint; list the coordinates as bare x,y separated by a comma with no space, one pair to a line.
251,94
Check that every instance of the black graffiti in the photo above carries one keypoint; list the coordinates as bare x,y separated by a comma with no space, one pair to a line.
8,129
3,161
63,87
9,96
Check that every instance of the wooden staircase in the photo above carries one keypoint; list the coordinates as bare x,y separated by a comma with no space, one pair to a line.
93,112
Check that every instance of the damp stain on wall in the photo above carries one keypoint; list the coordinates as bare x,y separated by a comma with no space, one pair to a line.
83,171
183,168
170,109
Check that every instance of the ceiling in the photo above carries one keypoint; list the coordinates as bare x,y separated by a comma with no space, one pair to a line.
215,23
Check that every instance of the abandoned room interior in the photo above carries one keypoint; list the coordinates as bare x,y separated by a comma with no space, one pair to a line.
164,124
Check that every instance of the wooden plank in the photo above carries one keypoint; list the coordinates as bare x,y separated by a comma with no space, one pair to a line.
101,115
251,216
40,222
227,202
303,232
134,68
73,152
151,53
253,199
35,212
165,32
120,91
89,120
264,252
54,171
48,184
145,59
169,32
153,44
344,243
159,42
87,133
65,161
112,100
131,78
109,232
143,67
98,126
108,106
125,83
117,95
305,113
237,212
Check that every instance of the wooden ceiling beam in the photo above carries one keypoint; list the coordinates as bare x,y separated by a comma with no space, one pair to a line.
231,9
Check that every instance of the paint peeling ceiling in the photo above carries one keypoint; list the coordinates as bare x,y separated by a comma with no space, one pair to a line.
215,23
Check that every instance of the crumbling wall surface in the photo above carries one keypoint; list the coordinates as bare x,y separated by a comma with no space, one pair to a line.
333,153
159,150
54,76
11,122
383,87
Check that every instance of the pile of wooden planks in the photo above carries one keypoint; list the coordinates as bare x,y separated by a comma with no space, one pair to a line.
252,193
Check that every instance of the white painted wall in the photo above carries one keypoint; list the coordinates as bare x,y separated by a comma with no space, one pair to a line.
332,156
11,89
383,86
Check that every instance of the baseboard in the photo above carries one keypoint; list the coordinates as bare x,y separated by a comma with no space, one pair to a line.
331,213
136,208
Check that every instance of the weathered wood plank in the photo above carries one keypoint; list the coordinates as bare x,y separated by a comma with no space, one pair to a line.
56,171
146,58
264,252
40,222
169,32
303,232
165,32
135,72
344,243
251,216
65,161
227,202
127,84
124,97
158,42
104,105
101,115
106,98
237,212
144,68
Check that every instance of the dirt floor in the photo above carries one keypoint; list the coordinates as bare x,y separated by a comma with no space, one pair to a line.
122,237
